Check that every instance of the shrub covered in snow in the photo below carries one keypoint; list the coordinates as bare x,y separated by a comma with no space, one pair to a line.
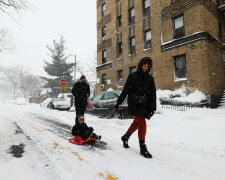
181,95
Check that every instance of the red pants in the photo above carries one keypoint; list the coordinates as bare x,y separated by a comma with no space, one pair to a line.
140,124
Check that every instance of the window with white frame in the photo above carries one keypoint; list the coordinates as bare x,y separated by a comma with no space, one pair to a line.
104,56
178,27
104,33
180,67
104,79
119,21
120,48
131,16
132,69
223,55
132,45
146,8
120,75
147,39
103,10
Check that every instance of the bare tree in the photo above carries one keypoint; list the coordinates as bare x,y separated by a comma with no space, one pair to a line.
12,75
5,40
17,5
22,82
31,84
89,69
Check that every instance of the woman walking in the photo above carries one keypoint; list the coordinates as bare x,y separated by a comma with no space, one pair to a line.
140,88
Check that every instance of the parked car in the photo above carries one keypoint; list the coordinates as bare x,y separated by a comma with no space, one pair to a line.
20,101
56,103
68,96
104,102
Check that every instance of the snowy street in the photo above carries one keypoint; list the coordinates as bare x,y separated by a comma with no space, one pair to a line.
187,145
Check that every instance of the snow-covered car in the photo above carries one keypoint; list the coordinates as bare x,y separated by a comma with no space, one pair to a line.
56,103
68,96
20,101
104,102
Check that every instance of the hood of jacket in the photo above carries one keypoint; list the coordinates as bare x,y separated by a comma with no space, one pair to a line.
79,81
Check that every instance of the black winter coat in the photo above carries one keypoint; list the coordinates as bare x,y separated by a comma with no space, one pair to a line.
82,130
81,91
139,83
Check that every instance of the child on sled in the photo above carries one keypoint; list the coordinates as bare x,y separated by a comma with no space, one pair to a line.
81,129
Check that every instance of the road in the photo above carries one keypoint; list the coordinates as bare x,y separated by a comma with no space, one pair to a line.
34,145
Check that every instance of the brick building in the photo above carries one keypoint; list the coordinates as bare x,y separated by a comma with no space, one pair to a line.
183,37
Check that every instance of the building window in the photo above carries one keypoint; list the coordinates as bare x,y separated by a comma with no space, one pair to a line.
119,21
120,48
104,79
104,33
120,75
132,45
220,29
132,69
103,10
223,55
147,39
131,16
178,27
218,2
104,56
180,67
146,8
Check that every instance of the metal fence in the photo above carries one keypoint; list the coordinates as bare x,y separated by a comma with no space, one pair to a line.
181,106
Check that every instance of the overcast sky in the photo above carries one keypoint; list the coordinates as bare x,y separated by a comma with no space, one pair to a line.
75,20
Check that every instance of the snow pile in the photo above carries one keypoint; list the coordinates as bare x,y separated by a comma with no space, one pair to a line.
181,95
194,97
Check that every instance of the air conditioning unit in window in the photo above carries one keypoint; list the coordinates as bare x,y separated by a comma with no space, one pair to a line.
103,86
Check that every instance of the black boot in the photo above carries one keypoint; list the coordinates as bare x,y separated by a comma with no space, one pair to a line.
125,138
143,150
96,136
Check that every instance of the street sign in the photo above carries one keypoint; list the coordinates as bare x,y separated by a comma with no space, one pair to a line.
62,89
62,82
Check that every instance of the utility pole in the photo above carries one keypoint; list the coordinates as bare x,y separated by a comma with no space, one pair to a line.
75,67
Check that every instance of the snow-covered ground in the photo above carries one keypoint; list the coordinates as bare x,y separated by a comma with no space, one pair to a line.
187,145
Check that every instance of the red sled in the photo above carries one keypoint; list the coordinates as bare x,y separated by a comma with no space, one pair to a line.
79,141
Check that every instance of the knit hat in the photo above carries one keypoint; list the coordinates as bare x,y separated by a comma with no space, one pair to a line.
82,77
81,118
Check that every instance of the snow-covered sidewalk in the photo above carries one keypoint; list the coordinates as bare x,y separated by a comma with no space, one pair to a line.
185,145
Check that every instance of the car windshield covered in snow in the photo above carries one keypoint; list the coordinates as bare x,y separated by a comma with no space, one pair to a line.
56,103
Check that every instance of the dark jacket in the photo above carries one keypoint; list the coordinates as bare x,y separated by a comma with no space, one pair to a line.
81,91
139,84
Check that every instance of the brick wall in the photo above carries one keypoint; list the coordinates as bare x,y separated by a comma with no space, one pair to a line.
205,70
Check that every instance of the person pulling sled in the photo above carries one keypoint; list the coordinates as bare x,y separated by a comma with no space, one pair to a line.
140,88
